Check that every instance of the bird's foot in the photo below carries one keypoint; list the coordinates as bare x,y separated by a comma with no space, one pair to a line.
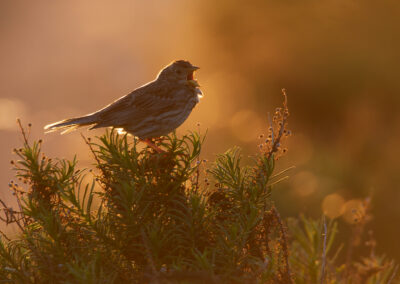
152,145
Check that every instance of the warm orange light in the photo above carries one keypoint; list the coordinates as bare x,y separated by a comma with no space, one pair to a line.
305,183
354,211
333,205
246,125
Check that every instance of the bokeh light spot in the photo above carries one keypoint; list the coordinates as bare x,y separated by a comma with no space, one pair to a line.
333,205
304,183
10,110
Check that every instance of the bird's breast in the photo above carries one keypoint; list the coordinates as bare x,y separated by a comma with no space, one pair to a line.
198,94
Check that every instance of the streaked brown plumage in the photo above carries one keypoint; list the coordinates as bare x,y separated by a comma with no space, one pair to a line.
152,110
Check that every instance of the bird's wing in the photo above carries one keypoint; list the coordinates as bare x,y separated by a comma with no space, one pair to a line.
153,98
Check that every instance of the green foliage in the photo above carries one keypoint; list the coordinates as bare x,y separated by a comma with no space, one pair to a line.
151,219
146,217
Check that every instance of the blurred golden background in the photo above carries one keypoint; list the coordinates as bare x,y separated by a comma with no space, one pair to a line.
339,61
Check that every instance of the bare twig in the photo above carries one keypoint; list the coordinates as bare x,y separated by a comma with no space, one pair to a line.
10,216
283,172
5,209
87,141
16,192
277,181
276,140
24,135
5,236
271,128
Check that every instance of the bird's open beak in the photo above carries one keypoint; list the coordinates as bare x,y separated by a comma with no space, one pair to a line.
191,79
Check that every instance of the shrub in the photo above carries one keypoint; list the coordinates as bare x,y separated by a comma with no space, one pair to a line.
166,218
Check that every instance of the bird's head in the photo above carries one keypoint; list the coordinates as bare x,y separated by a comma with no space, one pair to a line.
180,71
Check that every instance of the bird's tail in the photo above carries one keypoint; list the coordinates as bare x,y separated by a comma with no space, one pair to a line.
71,124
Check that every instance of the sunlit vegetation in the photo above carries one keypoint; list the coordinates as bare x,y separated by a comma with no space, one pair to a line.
172,217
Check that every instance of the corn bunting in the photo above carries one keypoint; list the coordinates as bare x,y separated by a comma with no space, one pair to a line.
152,110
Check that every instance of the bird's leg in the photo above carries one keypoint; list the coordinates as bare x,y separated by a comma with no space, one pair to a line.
159,140
152,145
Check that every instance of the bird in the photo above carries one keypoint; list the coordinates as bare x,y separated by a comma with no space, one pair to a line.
150,111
